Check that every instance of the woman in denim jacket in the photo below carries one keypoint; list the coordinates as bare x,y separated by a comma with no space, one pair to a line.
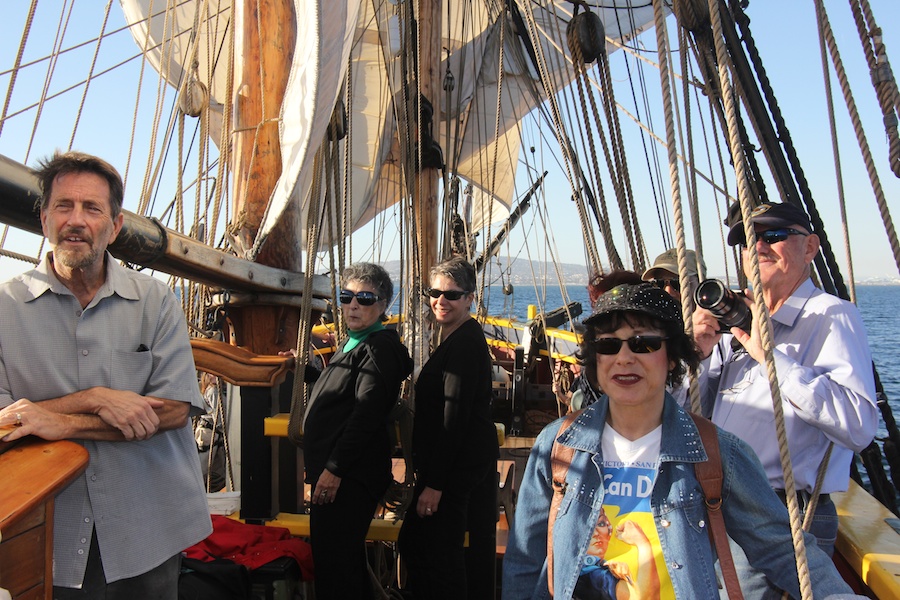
635,525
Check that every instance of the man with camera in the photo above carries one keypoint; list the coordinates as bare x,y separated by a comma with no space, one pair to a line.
822,358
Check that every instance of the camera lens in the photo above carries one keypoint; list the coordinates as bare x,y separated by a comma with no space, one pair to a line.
723,303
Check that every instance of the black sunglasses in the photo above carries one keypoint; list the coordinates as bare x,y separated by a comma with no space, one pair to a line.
364,298
773,236
448,294
663,283
639,344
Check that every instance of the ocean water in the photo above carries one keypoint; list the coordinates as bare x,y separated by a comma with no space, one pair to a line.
877,303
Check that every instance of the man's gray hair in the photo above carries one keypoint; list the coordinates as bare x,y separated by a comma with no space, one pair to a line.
63,163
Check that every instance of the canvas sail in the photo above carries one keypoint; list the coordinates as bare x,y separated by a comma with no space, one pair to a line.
190,39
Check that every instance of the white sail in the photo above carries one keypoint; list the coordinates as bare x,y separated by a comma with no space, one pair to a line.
180,42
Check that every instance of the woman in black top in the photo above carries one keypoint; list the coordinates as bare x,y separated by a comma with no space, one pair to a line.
346,446
455,452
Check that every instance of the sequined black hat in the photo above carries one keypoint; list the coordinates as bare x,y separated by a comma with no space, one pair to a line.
643,298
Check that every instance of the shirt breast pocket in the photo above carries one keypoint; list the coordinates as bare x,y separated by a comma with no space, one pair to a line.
131,371
687,504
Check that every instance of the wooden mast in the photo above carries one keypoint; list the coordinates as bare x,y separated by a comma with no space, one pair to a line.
265,32
264,51
426,188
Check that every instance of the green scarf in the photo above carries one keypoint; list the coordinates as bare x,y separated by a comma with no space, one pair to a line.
356,337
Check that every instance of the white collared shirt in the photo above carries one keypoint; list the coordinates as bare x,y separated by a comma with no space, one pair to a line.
824,368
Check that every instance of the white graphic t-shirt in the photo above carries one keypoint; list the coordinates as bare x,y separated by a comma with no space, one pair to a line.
625,553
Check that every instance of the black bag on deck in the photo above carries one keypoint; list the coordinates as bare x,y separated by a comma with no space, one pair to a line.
217,580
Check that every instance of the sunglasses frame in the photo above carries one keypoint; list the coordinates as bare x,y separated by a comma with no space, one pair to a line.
662,283
451,295
638,344
367,299
777,236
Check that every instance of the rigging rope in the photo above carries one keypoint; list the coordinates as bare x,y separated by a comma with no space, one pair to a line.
639,258
87,83
17,64
580,78
882,76
765,327
835,149
826,264
662,43
222,178
860,137
300,391
691,173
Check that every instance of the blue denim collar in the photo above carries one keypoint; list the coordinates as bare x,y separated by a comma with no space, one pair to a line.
680,439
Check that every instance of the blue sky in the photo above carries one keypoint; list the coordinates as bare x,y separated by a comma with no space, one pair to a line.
784,31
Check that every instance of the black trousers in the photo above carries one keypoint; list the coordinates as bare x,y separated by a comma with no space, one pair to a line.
160,583
337,533
432,548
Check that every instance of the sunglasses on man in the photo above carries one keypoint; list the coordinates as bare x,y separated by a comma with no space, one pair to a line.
774,236
639,344
664,283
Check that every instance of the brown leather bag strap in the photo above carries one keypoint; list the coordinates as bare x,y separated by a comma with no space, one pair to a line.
709,474
560,459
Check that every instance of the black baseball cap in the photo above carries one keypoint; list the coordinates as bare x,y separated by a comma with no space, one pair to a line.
770,214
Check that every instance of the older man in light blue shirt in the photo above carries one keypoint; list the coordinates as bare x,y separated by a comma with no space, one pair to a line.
822,358
96,353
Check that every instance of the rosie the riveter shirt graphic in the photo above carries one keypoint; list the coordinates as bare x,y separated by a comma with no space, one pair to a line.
624,554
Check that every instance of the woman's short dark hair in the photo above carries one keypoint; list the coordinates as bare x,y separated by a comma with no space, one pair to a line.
680,347
459,270
374,275
79,162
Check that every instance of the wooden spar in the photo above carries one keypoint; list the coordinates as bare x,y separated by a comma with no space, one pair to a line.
426,189
146,242
264,52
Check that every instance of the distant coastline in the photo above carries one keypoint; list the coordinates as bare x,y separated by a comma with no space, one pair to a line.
523,272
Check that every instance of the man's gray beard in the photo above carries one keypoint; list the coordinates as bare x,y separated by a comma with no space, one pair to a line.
75,261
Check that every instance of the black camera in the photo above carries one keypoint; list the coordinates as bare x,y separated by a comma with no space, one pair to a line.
726,305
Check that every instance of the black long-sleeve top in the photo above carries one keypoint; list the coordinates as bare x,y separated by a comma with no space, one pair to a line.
453,431
346,426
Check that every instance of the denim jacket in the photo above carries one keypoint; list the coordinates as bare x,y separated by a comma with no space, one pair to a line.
754,516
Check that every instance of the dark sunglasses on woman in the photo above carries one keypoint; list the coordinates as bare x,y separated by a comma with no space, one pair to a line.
639,344
364,298
448,294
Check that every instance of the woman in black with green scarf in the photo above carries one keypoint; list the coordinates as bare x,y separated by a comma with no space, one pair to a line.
346,446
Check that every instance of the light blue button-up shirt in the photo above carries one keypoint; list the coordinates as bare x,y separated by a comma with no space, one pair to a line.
144,498
824,368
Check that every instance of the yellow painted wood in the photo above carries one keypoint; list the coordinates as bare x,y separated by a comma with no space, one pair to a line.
277,426
867,543
381,530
